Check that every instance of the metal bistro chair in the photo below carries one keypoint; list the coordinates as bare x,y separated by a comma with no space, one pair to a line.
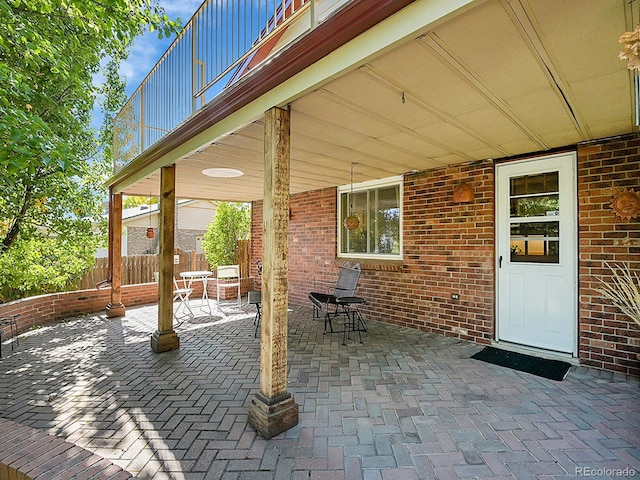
228,277
181,295
327,302
12,324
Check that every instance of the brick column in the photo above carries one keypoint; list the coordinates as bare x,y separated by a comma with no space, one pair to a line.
273,410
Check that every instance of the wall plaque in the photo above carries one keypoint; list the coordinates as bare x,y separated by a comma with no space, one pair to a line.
626,204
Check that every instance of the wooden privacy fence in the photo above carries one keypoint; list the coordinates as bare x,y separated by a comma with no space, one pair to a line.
140,268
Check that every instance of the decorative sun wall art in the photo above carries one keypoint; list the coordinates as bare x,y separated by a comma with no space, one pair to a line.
626,204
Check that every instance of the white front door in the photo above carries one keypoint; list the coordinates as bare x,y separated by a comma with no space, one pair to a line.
536,252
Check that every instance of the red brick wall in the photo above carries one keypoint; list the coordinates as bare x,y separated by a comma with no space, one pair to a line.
255,252
38,310
608,339
312,242
449,248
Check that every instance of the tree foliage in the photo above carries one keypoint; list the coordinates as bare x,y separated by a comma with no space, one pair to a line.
52,165
135,201
232,222
45,265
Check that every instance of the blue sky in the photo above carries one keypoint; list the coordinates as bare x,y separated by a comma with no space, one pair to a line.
147,49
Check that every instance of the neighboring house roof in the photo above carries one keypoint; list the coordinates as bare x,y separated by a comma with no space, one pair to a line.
139,211
142,212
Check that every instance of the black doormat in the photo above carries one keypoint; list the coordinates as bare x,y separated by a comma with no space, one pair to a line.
542,367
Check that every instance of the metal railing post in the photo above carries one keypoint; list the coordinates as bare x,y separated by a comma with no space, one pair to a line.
226,38
314,14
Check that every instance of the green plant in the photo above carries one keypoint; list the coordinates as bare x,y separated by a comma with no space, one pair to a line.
51,51
43,264
623,291
231,223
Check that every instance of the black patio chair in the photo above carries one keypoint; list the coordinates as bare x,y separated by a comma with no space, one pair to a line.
254,297
327,302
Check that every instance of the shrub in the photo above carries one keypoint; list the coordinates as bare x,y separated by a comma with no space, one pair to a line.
43,265
231,223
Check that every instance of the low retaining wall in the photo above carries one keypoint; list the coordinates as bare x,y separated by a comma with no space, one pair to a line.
35,311
42,309
29,454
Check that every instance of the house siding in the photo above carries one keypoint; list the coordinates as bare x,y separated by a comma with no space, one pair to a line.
193,218
139,244
449,248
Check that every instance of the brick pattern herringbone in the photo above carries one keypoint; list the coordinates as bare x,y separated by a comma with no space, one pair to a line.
402,405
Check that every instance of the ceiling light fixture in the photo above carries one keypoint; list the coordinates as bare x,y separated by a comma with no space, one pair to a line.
222,172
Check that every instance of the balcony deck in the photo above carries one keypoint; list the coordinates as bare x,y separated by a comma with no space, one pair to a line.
401,405
221,44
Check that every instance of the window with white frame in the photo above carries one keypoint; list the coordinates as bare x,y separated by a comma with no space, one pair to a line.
377,205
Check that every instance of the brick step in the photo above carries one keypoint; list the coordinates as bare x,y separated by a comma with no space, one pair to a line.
29,454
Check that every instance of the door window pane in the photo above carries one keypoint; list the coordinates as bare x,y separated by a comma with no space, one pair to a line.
538,206
533,184
537,242
532,238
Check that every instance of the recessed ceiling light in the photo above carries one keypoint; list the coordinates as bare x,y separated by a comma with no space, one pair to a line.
222,172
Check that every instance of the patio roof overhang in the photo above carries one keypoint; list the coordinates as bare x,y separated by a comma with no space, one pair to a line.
403,85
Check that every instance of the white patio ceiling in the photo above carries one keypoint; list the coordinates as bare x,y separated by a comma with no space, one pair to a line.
502,78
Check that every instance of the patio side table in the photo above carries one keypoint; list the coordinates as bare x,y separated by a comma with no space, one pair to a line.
353,318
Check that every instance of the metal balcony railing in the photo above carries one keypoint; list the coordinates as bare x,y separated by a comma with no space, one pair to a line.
222,42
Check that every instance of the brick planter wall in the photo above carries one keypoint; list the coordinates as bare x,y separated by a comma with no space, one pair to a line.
35,311
608,339
27,453
449,248
39,310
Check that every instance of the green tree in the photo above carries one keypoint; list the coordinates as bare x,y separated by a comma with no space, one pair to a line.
52,164
232,222
135,201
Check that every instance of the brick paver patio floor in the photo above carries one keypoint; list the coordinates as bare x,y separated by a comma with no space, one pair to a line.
403,405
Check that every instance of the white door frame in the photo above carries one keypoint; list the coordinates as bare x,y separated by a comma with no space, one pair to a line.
568,238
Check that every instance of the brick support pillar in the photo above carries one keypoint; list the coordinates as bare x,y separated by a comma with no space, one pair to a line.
115,307
165,338
273,409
